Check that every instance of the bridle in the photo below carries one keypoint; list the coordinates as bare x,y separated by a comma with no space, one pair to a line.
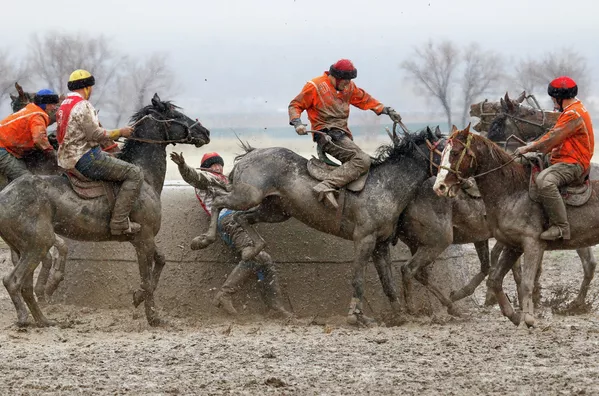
166,125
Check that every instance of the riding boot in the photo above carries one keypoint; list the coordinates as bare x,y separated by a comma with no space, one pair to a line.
558,217
271,292
234,281
325,191
128,194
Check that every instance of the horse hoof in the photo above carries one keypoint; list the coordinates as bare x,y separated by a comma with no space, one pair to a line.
46,323
200,242
154,322
454,311
529,320
360,320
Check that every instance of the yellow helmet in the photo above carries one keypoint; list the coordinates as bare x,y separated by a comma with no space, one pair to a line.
80,79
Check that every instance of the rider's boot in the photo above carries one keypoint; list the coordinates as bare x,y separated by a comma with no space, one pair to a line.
556,210
128,194
234,281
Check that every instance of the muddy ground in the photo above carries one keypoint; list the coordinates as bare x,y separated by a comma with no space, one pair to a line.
114,351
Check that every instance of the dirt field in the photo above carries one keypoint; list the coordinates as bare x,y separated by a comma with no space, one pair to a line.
102,351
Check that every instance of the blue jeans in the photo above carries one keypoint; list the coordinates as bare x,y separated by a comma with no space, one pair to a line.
97,165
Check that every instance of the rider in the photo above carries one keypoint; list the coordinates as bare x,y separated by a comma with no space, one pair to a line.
326,99
24,132
209,182
80,137
571,143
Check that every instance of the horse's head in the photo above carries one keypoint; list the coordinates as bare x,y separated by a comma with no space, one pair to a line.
21,100
162,122
458,162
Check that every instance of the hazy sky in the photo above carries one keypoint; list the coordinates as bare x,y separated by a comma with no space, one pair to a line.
254,56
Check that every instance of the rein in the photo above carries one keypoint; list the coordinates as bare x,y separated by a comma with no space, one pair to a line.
165,123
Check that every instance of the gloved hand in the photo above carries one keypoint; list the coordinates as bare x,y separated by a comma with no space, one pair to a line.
522,150
178,158
300,128
394,115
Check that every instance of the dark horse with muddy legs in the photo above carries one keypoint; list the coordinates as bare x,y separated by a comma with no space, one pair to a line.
34,207
277,179
514,218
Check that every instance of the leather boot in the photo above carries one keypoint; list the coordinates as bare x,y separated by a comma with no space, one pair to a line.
271,293
234,281
128,194
556,210
325,191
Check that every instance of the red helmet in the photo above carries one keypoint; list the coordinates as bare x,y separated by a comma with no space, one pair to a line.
210,159
343,69
562,88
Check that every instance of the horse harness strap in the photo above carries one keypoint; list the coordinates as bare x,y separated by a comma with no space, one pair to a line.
168,140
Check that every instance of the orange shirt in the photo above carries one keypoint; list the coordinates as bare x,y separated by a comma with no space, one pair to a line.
328,108
25,131
571,140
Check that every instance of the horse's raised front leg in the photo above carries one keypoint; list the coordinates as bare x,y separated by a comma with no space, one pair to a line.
495,282
363,249
533,256
58,274
381,256
145,256
241,197
588,266
482,250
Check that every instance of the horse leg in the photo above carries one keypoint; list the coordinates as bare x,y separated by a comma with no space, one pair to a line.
363,248
242,197
588,266
494,258
15,281
43,276
28,296
145,254
482,250
159,261
517,274
381,256
58,275
421,259
268,212
533,255
495,282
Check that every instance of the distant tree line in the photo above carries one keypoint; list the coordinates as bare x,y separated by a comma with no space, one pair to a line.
124,84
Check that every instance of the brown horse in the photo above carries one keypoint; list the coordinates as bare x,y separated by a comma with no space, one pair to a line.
33,208
514,218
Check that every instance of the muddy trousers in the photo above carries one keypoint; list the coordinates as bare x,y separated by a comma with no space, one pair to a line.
355,162
263,268
12,167
97,165
548,183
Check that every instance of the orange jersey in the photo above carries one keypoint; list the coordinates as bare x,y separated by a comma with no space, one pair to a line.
25,131
327,108
571,140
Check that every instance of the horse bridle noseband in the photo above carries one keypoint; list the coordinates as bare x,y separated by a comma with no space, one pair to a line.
166,123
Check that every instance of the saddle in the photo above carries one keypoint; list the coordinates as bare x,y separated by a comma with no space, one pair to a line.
576,193
88,189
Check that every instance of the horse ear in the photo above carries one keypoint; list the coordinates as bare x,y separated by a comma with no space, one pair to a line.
509,103
438,132
521,98
453,128
467,129
20,90
13,98
503,105
156,102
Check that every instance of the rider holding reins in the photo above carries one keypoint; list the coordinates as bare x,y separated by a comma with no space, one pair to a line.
326,99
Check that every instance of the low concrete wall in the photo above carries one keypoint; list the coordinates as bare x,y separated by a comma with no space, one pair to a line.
314,268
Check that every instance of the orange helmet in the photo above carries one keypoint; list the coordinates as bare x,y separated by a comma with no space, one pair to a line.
210,159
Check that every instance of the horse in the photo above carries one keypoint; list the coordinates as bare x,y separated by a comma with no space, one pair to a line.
520,120
514,218
34,207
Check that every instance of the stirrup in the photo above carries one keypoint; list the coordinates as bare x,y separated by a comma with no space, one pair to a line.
133,228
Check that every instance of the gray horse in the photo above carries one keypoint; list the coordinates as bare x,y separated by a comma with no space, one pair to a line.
514,218
33,207
369,217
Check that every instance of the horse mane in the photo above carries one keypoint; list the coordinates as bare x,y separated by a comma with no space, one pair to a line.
513,170
393,152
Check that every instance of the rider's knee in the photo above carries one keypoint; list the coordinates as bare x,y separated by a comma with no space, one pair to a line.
546,182
134,173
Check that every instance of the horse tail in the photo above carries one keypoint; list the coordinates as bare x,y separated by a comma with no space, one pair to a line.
246,147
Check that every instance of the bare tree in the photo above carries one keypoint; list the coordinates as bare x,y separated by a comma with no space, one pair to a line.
534,75
433,70
11,71
138,81
483,70
55,55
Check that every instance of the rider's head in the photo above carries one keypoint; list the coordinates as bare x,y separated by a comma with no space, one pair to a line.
341,72
47,100
560,89
81,81
213,161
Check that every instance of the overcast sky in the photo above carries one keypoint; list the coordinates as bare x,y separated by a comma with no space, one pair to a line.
246,56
